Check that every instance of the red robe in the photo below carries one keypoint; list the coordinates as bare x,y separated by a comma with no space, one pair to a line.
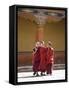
50,60
42,66
50,55
36,60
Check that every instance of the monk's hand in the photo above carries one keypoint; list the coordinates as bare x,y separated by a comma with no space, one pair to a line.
52,60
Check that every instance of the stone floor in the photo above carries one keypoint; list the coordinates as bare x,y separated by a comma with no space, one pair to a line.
28,76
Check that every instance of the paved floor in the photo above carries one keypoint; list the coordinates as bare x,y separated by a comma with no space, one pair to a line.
28,76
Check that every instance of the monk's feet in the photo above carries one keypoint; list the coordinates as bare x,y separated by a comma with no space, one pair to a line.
49,74
34,73
42,74
37,74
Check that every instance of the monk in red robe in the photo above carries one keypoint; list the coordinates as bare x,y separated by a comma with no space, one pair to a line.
50,58
42,65
36,59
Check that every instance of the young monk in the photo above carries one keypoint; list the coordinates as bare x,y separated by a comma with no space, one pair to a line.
50,58
42,65
36,59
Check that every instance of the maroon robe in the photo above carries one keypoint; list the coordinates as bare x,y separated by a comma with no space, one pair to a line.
36,60
50,60
50,55
43,59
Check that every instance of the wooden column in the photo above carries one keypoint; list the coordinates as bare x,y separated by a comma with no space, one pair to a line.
40,34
